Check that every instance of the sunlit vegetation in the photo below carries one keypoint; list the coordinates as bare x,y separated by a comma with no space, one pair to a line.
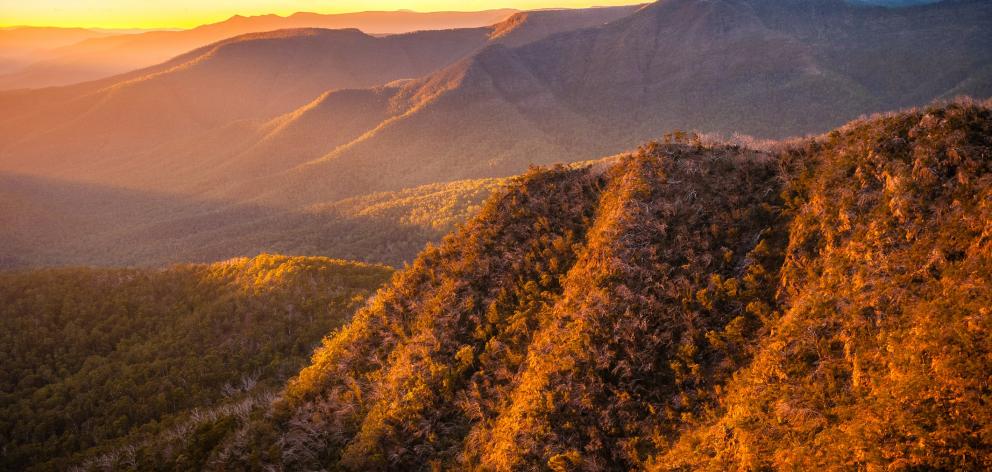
820,304
882,353
436,206
96,360
692,307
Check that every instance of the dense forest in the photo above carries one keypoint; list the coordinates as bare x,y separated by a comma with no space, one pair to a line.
94,360
687,307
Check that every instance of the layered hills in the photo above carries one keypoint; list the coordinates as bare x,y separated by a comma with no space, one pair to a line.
94,55
19,46
163,147
92,359
113,122
684,307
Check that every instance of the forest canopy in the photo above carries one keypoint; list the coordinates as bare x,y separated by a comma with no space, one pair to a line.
91,359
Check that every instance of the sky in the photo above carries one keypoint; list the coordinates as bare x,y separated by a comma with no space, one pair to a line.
189,13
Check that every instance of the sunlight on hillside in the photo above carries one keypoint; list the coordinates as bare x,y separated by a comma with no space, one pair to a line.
700,307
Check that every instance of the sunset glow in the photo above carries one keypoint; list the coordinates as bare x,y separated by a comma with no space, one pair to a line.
191,13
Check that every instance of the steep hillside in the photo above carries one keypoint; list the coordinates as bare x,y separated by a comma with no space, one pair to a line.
95,358
103,57
556,282
758,67
246,77
687,307
881,352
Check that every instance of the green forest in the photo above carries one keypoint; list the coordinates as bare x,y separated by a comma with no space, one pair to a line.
96,359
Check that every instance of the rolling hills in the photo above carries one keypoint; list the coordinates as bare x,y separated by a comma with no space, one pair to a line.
19,46
121,129
684,307
94,358
246,77
155,153
46,223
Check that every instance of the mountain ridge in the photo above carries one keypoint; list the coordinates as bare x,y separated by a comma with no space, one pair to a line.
820,305
428,51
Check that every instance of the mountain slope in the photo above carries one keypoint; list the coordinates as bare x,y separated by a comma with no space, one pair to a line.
529,26
451,382
253,76
95,358
684,307
758,67
104,57
882,349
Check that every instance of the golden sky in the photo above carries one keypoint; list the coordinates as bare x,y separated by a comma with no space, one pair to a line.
189,13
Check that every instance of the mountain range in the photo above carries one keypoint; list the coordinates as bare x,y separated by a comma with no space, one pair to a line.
62,56
202,145
20,46
761,68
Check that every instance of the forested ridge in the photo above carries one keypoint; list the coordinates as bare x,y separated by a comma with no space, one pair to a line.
95,359
688,307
